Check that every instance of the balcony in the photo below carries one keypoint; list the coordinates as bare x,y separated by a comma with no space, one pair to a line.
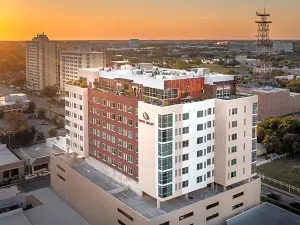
78,83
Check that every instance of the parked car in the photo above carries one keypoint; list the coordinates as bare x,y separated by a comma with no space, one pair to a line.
44,123
30,176
295,204
274,196
44,173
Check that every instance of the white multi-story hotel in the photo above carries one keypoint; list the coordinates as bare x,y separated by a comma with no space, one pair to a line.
77,58
161,147
42,67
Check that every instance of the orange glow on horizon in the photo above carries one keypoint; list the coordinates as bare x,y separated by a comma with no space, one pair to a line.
144,19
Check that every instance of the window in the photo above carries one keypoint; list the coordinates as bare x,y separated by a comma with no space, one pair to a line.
233,174
233,149
208,162
185,170
234,111
208,174
185,130
208,149
233,136
209,111
130,158
62,169
208,137
199,166
253,132
164,191
199,179
212,217
185,157
165,121
166,223
120,222
199,127
185,184
165,149
165,135
165,177
199,140
61,177
129,122
209,124
186,216
185,144
165,163
199,153
212,205
234,124
238,195
200,113
237,206
185,116
254,108
233,162
254,143
125,214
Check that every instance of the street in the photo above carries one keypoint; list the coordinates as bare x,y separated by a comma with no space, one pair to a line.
286,198
33,185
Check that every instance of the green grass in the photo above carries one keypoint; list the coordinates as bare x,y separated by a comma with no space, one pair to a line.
52,101
222,69
285,170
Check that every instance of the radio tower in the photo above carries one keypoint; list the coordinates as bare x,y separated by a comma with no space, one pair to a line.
263,69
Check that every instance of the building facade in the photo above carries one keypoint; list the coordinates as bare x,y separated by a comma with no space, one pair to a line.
73,60
168,139
17,103
42,67
273,102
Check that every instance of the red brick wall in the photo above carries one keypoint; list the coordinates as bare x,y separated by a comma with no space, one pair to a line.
123,101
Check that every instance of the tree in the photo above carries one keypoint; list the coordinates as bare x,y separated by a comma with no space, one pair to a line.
40,136
50,91
1,114
272,144
60,123
53,132
31,107
41,113
55,119
16,122
179,65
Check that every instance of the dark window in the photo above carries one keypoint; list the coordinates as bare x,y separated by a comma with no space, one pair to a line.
199,153
237,206
166,223
61,177
125,214
6,174
186,216
14,172
212,205
62,169
238,195
212,217
120,222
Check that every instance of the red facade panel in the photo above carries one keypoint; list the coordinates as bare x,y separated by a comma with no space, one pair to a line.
192,86
113,131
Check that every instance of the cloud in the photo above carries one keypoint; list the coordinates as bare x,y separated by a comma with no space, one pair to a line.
208,17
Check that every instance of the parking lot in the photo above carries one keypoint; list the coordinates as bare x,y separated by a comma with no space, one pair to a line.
37,123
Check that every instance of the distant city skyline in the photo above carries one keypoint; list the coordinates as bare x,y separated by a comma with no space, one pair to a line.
150,20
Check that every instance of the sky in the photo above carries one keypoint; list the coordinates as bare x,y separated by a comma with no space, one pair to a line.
145,19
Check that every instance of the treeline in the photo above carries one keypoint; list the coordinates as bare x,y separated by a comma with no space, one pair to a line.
280,135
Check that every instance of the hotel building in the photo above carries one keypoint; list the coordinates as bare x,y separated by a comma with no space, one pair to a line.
160,147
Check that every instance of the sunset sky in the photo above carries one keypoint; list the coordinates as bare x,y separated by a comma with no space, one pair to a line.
145,19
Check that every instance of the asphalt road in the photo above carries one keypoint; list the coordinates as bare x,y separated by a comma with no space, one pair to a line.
35,184
285,198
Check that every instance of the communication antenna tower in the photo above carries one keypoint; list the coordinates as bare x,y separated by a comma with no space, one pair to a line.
263,69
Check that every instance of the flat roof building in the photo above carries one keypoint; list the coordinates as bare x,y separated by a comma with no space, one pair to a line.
158,143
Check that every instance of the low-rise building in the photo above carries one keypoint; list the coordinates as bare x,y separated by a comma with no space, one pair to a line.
274,102
11,167
14,103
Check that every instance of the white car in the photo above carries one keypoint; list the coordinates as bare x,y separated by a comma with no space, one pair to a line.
44,173
30,176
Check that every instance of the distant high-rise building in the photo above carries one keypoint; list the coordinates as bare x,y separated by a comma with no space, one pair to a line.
134,43
76,58
42,67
